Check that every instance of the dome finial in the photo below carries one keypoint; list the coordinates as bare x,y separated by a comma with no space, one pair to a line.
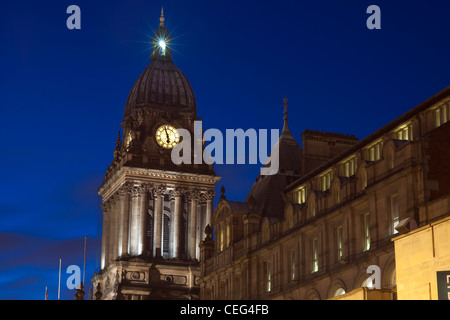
162,19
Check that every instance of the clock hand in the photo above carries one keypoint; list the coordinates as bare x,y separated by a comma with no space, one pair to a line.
167,135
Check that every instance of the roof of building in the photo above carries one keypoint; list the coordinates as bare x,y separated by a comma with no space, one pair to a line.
162,86
372,137
268,189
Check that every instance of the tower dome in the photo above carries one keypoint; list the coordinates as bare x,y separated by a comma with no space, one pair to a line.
162,86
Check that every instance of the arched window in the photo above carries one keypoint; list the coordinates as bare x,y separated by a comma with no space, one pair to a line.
368,283
339,292
150,233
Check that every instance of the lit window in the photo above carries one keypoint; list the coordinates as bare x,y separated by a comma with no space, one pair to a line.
394,213
267,277
300,195
374,152
349,168
292,265
366,232
340,243
315,257
440,115
325,181
228,236
405,133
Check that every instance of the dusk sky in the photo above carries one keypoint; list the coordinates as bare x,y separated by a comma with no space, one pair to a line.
63,94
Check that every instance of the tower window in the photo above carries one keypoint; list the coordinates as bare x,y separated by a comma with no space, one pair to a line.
166,232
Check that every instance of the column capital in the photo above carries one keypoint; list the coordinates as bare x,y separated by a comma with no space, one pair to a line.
177,192
139,190
114,198
193,194
106,206
159,190
210,195
125,189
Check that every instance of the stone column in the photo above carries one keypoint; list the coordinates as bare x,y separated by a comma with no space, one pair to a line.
112,221
134,231
193,225
143,221
201,215
158,221
124,193
105,235
117,206
177,224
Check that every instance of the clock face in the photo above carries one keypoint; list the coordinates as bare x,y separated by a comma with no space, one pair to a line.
167,136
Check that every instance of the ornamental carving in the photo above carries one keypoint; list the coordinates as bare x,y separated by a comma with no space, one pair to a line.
159,190
178,192
138,191
193,195
134,276
210,195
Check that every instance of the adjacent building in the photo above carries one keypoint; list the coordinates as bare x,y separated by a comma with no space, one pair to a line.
332,211
337,207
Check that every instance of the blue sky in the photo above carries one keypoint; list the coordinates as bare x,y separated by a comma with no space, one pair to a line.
63,93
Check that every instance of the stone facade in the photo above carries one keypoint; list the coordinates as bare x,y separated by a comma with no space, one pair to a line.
338,218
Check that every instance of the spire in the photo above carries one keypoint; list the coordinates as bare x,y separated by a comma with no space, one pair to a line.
222,191
161,41
285,118
286,133
161,24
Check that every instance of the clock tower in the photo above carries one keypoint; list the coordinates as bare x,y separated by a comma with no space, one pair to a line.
154,211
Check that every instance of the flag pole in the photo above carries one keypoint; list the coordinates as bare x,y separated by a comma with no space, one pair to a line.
59,282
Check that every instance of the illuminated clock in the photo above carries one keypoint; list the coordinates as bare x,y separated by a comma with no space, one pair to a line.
167,136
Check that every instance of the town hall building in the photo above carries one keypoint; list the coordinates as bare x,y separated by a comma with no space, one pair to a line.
332,212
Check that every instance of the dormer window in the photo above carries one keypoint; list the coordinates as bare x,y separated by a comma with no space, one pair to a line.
440,115
300,195
348,168
325,181
404,133
373,153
